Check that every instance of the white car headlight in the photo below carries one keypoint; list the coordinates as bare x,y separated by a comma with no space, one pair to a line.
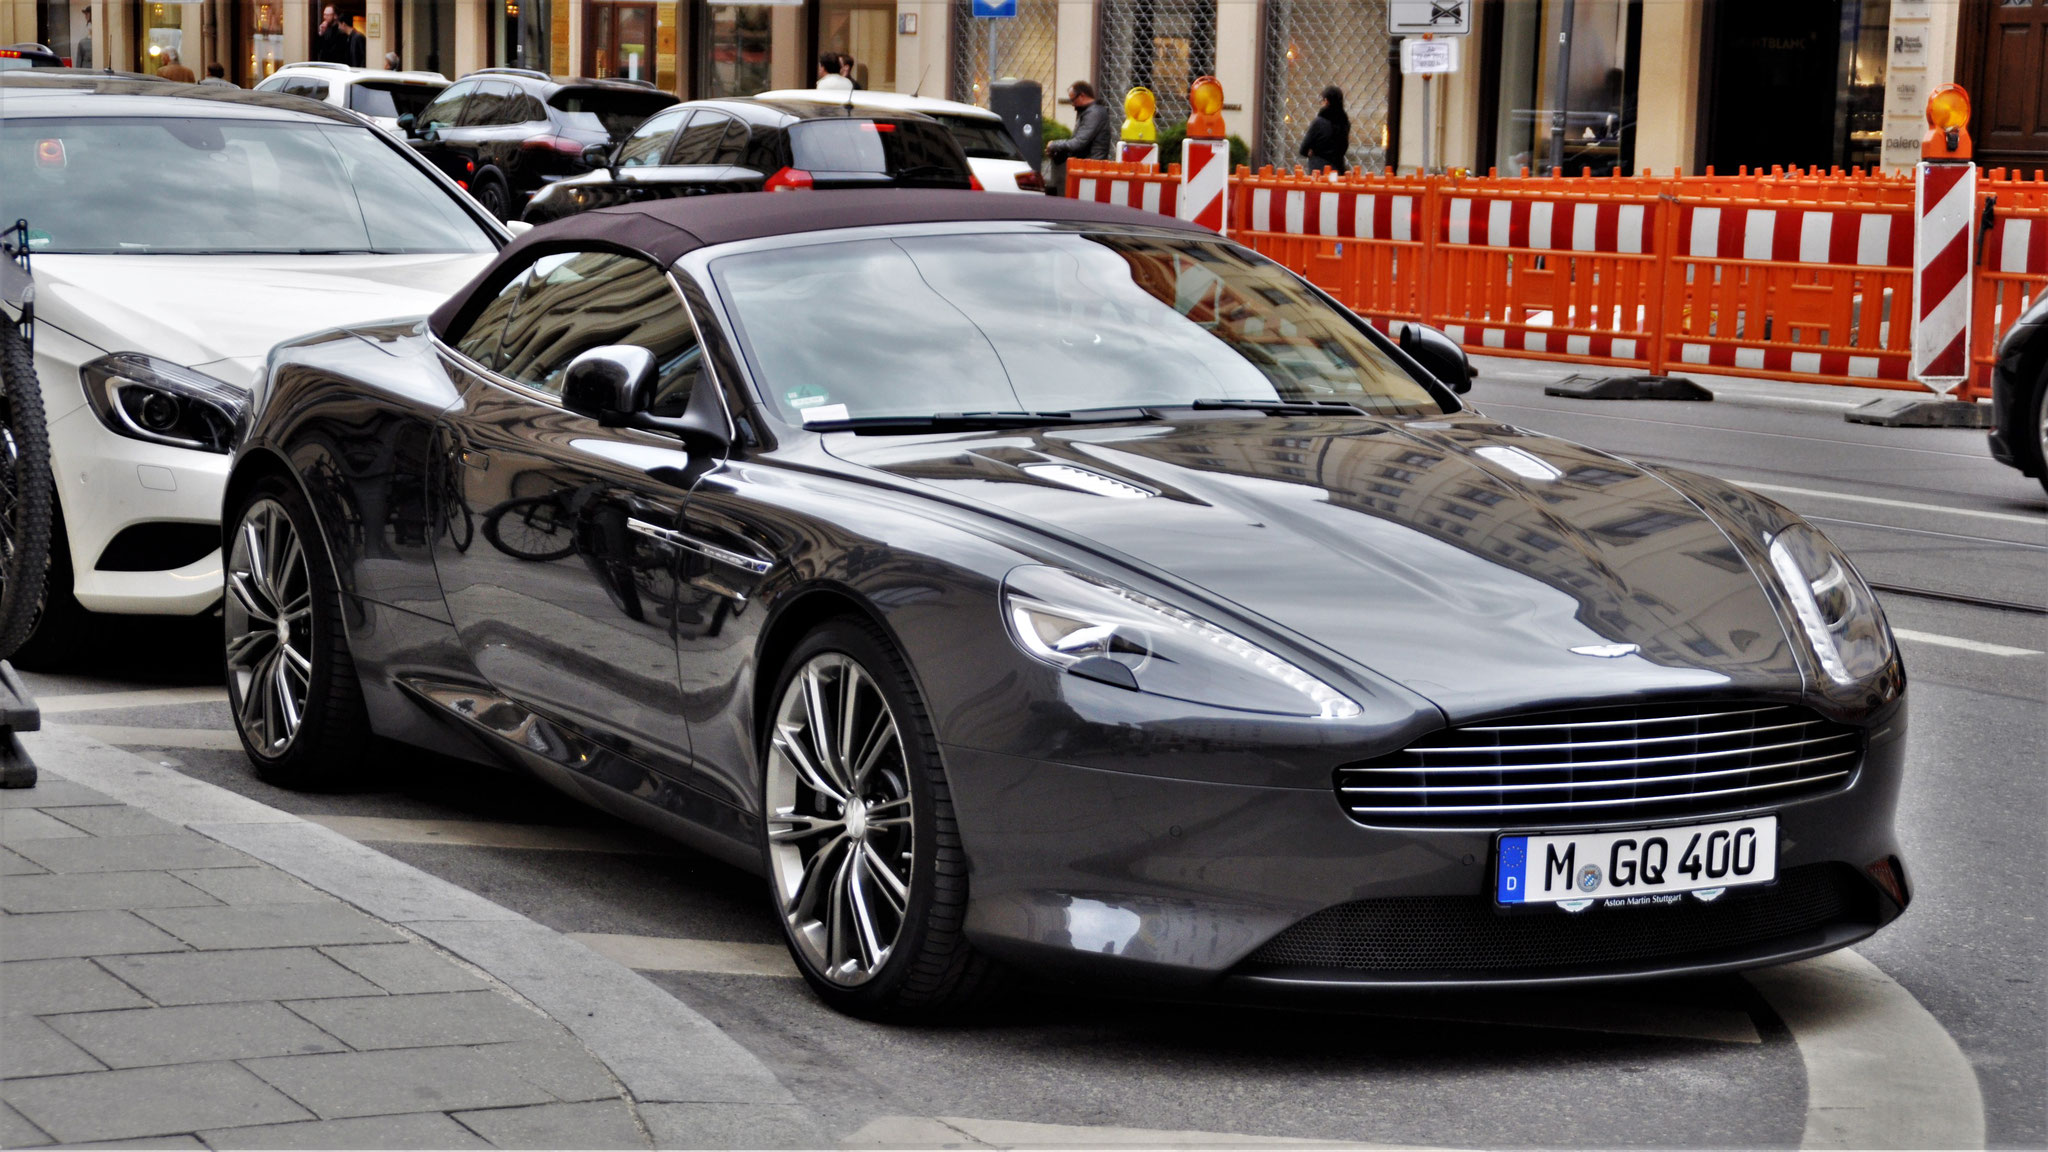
1838,611
1112,634
144,398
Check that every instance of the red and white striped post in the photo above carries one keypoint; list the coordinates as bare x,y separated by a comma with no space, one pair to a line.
1205,159
1137,152
1944,216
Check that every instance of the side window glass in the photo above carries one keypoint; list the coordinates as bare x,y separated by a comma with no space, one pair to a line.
480,343
525,110
698,144
732,149
487,106
311,89
446,110
650,140
582,300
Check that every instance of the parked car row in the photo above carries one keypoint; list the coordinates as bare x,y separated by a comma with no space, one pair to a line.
1012,583
529,146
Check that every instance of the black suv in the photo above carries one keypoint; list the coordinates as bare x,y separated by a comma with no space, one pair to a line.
709,146
2019,394
504,133
14,56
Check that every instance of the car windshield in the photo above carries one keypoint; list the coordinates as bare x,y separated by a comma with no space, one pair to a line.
607,110
981,139
1044,322
390,98
198,185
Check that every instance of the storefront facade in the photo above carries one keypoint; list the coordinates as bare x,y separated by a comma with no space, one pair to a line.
1599,85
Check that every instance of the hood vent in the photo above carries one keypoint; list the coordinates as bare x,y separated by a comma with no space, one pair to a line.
1084,480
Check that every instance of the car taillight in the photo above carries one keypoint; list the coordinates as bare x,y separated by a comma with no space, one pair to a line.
562,144
1030,181
788,179
974,182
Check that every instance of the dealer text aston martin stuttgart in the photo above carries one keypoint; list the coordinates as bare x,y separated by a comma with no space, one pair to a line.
1040,584
175,233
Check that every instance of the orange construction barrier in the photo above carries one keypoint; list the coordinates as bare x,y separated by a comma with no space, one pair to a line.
1797,275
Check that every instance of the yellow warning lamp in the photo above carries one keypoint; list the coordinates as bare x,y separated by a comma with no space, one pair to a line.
1139,108
1206,98
1948,120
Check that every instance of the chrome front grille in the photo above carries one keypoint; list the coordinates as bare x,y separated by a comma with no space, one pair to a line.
1602,765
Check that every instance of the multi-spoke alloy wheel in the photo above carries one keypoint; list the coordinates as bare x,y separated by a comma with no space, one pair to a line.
841,835
269,611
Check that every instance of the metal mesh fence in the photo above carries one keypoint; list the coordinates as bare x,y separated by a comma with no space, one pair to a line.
1313,43
1025,47
1161,44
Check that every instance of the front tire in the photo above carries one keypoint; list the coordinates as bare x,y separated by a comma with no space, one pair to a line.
2039,425
863,853
292,686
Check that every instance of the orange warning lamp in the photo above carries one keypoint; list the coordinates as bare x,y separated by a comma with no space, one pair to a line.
1948,120
1206,99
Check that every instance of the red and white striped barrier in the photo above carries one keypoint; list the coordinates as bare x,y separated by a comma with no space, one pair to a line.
1136,152
1205,183
2018,247
1873,239
1944,201
1154,193
1559,226
1337,213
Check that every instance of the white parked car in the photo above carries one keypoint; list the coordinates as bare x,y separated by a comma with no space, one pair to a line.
175,236
380,95
991,152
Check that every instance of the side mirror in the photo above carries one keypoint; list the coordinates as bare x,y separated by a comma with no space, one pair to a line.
405,122
597,156
1439,355
609,384
613,384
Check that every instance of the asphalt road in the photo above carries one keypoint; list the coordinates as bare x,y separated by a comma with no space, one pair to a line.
1710,1062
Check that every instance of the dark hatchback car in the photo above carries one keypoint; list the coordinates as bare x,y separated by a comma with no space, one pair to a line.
711,146
1023,580
505,133
2019,395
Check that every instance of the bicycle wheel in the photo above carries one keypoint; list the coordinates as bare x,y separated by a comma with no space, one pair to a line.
25,491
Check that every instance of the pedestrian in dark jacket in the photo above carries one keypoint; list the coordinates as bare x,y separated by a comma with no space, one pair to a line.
330,40
1329,136
1093,137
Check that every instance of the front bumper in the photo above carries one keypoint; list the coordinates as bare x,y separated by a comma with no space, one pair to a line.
1185,883
106,483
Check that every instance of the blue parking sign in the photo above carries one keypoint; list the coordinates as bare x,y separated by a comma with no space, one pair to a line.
995,9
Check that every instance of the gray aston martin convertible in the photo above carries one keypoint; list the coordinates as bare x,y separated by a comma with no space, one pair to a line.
1037,584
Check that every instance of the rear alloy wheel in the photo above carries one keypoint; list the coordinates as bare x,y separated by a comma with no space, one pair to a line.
291,684
491,193
869,880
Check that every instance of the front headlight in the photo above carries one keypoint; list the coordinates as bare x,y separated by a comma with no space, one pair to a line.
145,398
1836,608
1129,639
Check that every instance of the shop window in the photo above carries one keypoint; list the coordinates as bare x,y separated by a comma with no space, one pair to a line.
426,35
1566,86
737,49
865,30
162,37
618,40
261,33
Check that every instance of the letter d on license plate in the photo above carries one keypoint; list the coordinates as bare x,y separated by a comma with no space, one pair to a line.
1574,868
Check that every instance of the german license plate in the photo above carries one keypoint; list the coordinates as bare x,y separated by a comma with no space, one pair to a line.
1639,866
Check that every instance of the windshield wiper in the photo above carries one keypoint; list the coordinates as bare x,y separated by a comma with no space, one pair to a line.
1282,407
971,421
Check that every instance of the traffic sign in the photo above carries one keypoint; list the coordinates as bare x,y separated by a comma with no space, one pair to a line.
1417,17
1000,9
1428,57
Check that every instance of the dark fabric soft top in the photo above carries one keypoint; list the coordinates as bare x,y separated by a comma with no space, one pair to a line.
665,230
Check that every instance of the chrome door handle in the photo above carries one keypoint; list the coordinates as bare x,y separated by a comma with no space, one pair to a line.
690,543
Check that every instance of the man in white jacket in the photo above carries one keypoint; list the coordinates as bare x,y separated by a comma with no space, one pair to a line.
829,78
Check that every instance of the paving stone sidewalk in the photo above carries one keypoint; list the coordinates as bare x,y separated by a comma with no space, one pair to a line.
163,988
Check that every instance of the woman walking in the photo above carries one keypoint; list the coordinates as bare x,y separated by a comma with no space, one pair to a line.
1329,136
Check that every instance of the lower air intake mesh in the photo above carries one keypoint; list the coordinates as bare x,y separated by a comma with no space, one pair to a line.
1467,934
